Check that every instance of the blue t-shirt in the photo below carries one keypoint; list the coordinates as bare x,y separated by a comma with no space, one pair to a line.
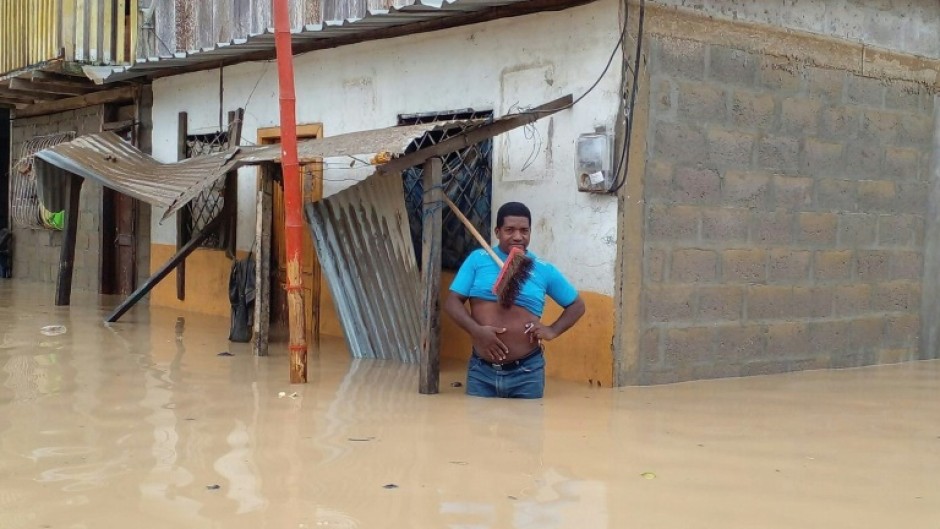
478,274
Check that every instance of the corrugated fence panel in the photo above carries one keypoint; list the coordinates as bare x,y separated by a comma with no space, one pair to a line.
30,33
362,242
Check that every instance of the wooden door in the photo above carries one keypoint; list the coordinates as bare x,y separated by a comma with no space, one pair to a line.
119,243
312,178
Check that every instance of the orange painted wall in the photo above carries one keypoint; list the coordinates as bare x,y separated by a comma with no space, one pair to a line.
583,354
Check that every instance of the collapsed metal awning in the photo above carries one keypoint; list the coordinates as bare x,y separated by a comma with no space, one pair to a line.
114,163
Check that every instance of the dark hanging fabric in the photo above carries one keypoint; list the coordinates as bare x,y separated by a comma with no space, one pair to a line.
241,295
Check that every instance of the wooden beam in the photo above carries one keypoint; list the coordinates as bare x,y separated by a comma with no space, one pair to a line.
17,97
430,354
67,89
126,93
460,141
263,221
63,289
164,270
182,216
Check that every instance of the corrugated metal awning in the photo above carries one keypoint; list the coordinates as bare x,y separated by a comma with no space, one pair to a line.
375,24
115,163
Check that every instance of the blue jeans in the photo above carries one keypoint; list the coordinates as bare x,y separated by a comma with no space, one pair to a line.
524,380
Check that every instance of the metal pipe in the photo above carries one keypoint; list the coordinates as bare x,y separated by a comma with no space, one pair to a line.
293,220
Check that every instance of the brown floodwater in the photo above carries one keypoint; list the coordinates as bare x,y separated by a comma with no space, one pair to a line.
142,424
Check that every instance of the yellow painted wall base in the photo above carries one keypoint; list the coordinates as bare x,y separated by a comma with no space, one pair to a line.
207,273
583,354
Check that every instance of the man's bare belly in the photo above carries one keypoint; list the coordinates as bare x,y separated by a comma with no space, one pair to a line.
513,319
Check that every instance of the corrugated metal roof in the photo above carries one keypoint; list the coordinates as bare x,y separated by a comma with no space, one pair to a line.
375,19
364,247
114,163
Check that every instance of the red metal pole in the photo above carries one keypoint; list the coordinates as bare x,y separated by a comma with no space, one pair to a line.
293,219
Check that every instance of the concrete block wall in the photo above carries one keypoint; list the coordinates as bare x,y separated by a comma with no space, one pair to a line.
785,214
36,252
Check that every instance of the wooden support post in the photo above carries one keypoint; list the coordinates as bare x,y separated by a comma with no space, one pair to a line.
263,262
63,291
431,278
164,270
182,216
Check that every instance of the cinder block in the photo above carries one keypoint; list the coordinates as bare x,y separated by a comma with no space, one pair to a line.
772,228
702,102
793,193
780,154
766,367
656,264
739,343
826,83
697,185
800,115
864,160
866,332
673,223
658,184
730,148
912,197
688,345
872,265
851,300
904,95
907,265
752,110
744,265
916,129
682,58
732,66
857,229
836,195
679,142
720,303
650,351
786,339
746,189
788,265
769,302
829,337
725,224
832,265
920,226
877,196
895,230
839,123
902,330
669,303
866,91
663,97
780,74
902,163
896,296
812,302
879,125
822,158
817,229
896,356
692,265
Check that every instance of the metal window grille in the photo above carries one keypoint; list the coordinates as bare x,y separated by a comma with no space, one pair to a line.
25,207
467,179
210,203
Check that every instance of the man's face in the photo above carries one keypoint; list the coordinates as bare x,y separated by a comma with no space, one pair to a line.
514,232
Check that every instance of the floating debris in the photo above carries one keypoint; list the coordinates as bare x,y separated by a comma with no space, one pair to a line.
390,486
225,353
53,330
456,384
213,487
648,475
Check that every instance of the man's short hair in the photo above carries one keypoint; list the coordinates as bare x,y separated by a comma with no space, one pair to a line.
512,209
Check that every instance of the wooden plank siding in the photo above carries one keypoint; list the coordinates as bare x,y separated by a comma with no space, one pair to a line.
33,32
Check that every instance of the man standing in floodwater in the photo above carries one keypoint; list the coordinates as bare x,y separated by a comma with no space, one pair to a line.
507,359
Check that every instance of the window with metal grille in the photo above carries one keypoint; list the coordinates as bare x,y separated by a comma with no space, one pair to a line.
210,203
467,179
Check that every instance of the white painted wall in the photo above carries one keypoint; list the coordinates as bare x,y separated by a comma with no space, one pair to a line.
908,26
499,65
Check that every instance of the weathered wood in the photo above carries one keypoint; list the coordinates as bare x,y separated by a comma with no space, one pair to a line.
126,93
182,216
164,270
63,289
63,89
118,125
430,368
264,212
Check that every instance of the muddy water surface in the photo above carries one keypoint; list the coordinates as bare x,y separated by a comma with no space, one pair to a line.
143,424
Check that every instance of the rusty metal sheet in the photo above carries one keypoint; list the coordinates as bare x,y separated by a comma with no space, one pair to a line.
114,163
365,250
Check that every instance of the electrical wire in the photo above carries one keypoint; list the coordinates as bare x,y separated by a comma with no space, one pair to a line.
620,174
